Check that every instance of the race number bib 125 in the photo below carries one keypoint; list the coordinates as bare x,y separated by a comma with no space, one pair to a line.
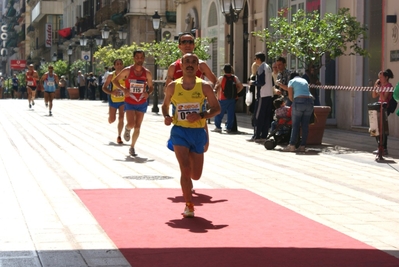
186,108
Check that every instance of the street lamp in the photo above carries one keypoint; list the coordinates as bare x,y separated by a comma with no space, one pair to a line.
231,10
54,58
122,34
105,32
156,23
42,61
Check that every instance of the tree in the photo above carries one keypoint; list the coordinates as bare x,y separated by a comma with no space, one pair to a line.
308,37
106,55
164,52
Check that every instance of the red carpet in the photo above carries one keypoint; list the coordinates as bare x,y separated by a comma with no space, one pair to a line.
231,228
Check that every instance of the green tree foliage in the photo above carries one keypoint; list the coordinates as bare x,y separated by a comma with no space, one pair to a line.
106,55
21,78
77,65
164,52
60,68
308,37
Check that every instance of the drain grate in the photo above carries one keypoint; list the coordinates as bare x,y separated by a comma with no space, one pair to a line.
147,177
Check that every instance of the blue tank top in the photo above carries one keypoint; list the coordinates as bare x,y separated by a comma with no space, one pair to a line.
49,84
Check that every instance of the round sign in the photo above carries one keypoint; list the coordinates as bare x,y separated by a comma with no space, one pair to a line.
86,57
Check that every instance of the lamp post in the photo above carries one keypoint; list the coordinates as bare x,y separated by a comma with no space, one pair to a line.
231,10
84,42
69,52
54,57
42,62
122,34
156,23
105,32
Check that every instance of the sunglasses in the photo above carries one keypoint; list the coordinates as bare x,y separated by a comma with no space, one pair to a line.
187,42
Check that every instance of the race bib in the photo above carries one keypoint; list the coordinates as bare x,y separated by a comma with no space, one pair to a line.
186,108
136,88
50,83
119,93
30,83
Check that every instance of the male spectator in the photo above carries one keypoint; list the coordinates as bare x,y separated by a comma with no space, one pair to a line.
62,84
92,86
227,87
82,85
264,99
188,135
15,84
283,77
137,80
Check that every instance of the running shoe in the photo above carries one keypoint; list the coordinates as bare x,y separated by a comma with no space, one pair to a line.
126,135
33,102
132,152
188,210
30,106
50,114
119,140
46,105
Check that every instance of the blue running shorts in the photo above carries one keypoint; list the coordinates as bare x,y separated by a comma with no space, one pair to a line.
140,108
193,138
116,105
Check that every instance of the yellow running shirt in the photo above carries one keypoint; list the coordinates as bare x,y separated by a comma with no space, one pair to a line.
120,97
188,101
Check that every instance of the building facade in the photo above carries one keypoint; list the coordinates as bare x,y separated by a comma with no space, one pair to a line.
349,108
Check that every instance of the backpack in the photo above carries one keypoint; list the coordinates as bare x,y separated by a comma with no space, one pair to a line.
229,88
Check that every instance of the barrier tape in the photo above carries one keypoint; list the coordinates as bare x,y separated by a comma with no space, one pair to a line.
349,88
353,88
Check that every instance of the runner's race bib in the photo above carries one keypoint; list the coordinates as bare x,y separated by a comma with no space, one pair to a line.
187,108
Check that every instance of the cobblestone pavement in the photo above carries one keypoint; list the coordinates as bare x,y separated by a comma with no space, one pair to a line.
43,158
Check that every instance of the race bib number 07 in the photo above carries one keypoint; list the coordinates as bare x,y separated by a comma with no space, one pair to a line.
186,108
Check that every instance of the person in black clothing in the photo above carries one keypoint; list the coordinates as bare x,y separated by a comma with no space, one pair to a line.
15,84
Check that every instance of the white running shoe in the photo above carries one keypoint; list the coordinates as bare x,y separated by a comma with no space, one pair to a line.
188,210
126,135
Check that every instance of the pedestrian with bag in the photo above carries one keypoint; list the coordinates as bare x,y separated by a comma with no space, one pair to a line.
227,87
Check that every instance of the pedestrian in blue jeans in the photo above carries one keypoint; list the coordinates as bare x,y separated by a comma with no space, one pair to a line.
227,100
302,108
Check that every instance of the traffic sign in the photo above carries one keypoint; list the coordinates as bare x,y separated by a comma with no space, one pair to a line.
86,55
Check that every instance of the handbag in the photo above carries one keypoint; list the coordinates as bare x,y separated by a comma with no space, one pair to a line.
248,97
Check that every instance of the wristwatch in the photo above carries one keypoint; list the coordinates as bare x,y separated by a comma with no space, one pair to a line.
202,114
